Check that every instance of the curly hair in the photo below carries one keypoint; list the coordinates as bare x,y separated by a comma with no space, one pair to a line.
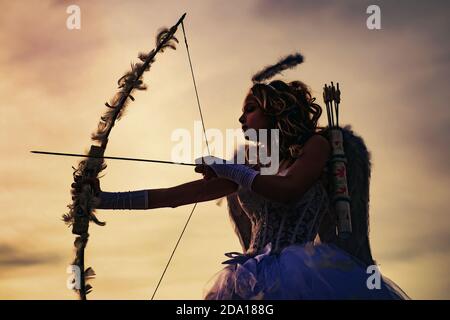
296,115
293,110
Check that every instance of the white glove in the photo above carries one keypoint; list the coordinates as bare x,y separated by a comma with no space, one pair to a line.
238,173
130,200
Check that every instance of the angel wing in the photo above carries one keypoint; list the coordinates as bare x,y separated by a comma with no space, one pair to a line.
239,220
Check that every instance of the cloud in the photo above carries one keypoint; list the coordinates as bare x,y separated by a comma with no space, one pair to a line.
408,63
42,51
437,243
396,97
400,12
12,256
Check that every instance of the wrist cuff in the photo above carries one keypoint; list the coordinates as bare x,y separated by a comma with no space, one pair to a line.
131,200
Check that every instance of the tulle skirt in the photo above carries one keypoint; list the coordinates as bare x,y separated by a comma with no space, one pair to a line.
310,271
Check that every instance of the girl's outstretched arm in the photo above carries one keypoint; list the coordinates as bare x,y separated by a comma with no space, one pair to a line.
187,193
191,192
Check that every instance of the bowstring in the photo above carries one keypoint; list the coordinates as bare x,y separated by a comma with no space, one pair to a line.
209,152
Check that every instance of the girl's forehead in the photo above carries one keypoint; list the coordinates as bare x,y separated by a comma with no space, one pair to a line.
250,98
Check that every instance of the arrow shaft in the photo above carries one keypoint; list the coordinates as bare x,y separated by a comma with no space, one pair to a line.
112,158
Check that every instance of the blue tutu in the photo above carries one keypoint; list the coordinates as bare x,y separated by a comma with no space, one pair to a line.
298,272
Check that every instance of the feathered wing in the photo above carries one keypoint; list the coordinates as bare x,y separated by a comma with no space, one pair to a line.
239,220
358,182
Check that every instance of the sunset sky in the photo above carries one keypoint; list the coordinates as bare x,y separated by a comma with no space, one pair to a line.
55,82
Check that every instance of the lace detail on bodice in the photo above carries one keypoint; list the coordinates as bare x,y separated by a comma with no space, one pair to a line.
283,224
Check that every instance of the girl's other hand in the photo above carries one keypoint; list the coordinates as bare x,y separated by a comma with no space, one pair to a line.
79,182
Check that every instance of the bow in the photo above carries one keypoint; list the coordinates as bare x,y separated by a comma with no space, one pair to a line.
84,200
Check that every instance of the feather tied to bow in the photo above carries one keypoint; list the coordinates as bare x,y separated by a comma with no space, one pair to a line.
84,201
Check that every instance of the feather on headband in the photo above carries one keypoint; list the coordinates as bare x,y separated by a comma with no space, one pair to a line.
285,63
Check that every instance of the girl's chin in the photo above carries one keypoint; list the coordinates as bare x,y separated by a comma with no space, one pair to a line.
251,134
255,139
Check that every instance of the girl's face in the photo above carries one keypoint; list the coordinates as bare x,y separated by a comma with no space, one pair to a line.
253,116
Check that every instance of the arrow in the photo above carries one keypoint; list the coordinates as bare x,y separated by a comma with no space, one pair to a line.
112,158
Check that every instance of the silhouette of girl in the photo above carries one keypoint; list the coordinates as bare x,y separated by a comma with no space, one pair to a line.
284,221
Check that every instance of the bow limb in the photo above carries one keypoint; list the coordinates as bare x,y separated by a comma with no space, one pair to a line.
84,201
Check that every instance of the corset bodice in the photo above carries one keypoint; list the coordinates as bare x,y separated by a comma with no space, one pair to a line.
283,224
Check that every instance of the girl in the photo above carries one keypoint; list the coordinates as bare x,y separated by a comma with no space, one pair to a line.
284,221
